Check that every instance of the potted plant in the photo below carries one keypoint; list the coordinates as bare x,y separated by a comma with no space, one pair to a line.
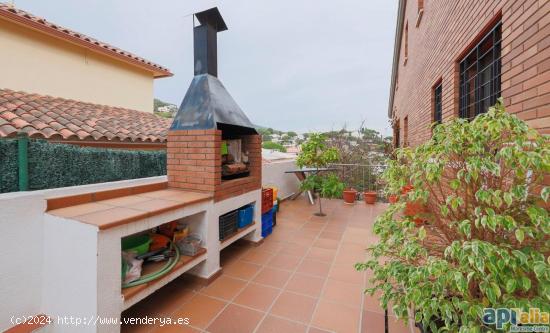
486,239
315,153
349,195
370,197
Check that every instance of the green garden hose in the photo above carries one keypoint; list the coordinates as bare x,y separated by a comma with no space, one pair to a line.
163,271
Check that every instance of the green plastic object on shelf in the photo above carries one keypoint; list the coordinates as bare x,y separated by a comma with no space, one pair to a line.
138,244
225,150
160,273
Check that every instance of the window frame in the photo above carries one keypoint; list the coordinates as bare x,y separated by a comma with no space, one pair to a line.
470,74
437,100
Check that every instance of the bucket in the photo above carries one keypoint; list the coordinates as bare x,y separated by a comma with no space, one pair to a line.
138,244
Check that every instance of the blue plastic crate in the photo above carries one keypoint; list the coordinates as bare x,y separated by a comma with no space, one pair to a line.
267,231
267,220
246,216
274,218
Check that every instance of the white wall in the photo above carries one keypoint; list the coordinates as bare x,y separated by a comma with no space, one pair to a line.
273,173
22,235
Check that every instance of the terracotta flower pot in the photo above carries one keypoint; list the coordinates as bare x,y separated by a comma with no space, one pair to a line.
370,197
406,189
349,196
419,221
393,198
416,209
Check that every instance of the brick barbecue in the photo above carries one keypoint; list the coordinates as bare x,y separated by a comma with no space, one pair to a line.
212,145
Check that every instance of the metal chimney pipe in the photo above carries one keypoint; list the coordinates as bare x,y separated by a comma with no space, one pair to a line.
206,50
205,41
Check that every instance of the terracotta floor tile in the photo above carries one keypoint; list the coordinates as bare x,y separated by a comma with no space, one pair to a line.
320,254
175,329
241,269
373,322
257,296
236,319
308,232
270,245
344,293
397,325
317,330
312,267
346,273
272,277
302,240
337,317
283,261
313,226
331,235
224,287
278,325
296,250
200,310
326,244
168,299
295,307
258,256
336,227
372,303
305,284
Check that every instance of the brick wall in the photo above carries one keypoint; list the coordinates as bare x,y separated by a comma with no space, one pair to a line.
447,29
194,163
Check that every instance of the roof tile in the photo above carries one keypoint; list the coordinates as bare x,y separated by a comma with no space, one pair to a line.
58,118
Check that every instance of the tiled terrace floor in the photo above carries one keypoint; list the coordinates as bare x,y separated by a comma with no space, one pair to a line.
301,279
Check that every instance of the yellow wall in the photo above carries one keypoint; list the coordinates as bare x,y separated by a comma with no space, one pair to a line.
33,62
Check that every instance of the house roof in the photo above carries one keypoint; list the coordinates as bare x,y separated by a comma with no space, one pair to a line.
21,17
56,118
396,52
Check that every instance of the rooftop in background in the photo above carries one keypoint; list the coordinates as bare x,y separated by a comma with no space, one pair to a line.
40,24
60,119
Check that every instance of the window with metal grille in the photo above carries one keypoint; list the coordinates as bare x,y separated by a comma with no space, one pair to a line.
480,72
438,111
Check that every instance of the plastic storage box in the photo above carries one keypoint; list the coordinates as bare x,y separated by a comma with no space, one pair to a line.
246,216
267,200
274,210
267,223
228,224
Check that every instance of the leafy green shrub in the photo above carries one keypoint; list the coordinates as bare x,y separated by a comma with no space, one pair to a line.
486,240
274,146
315,153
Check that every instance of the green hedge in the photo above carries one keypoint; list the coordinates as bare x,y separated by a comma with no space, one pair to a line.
8,166
59,165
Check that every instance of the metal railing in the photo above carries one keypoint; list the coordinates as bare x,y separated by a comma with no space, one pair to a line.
362,177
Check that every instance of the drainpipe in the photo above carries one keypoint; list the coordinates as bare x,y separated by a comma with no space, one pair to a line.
23,160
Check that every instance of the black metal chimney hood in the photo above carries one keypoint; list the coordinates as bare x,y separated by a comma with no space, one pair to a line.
207,104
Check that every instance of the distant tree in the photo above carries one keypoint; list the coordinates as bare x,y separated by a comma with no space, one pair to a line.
292,134
267,137
273,146
371,135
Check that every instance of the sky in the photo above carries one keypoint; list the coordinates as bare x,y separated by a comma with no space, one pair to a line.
299,65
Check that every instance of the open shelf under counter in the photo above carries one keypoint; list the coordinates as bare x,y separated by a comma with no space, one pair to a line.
135,294
236,236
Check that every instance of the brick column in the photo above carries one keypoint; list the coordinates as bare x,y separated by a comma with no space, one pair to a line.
194,159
